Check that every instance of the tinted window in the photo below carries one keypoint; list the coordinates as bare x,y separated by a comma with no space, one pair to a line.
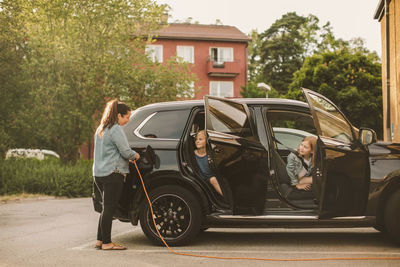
228,117
165,124
331,121
289,139
290,128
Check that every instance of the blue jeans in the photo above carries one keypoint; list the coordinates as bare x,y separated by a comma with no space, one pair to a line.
111,188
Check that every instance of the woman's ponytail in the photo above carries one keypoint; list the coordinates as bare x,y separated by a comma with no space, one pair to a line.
110,114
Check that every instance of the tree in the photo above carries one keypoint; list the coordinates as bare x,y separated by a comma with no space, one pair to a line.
12,94
251,90
81,53
350,77
255,74
280,51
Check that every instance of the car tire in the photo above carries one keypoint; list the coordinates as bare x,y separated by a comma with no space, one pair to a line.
392,216
177,213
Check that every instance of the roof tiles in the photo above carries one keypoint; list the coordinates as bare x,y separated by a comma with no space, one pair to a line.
203,32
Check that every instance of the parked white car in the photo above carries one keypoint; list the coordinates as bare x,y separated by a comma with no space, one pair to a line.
30,153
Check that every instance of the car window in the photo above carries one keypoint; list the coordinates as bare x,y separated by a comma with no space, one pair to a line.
331,121
290,128
228,117
290,140
165,125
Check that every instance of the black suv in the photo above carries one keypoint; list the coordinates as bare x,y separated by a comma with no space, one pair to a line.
356,180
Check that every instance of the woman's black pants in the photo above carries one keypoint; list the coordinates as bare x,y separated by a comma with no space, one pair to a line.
111,188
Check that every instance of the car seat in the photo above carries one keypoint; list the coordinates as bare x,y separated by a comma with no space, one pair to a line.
300,198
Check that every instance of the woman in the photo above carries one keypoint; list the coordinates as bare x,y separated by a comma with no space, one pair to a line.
299,166
110,166
202,161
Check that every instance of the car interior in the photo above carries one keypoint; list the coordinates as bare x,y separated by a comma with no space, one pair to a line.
197,124
278,119
295,122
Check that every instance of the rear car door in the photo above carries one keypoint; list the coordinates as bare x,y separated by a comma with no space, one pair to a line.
342,167
238,157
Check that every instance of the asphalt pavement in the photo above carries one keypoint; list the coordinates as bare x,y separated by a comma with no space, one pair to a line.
61,232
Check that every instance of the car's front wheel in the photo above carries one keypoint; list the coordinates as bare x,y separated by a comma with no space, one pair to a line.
392,216
177,214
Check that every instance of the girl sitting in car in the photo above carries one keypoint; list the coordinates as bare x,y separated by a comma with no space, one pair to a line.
202,161
299,166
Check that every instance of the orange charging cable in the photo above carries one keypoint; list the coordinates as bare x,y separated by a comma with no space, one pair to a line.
245,258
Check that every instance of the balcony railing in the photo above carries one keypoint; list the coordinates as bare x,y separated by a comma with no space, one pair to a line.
223,69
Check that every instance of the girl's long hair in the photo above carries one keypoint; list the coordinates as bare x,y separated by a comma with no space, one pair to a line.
313,144
110,114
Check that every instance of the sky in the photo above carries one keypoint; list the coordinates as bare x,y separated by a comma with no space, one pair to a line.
348,18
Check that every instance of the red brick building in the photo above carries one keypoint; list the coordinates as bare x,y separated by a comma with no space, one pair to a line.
217,54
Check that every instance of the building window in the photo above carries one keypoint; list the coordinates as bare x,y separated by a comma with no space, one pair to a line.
221,54
185,53
221,89
155,53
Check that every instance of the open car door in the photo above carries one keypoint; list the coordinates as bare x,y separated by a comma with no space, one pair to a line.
238,157
341,177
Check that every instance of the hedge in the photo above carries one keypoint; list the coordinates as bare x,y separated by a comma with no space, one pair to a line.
49,176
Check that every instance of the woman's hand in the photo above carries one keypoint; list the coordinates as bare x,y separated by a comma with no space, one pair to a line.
136,159
305,187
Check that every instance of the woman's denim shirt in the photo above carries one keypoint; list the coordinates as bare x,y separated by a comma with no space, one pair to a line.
111,152
293,168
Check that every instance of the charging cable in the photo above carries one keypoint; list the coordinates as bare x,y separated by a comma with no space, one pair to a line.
244,258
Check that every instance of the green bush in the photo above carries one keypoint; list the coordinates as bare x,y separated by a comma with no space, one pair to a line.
49,176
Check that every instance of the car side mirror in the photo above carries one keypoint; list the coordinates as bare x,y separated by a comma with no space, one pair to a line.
367,136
